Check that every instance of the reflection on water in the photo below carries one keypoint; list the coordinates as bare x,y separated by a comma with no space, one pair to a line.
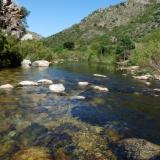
34,121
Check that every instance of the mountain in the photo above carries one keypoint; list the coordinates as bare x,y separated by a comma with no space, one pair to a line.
104,21
127,32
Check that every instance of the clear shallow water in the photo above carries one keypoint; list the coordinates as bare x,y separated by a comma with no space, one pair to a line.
33,117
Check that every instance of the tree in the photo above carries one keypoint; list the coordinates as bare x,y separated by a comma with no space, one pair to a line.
124,47
69,45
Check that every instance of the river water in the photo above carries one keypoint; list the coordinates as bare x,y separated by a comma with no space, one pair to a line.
34,118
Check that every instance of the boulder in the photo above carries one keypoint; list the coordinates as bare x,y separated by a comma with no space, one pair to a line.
6,86
57,88
28,83
157,89
26,63
83,84
102,89
40,63
137,149
143,77
99,75
45,82
157,77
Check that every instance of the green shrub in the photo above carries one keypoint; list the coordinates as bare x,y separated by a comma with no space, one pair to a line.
69,45
9,52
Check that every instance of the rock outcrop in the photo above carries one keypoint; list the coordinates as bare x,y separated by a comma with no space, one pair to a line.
11,17
137,149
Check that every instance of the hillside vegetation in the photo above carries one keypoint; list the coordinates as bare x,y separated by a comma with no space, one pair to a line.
127,31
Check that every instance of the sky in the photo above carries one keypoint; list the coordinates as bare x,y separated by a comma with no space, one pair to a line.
48,17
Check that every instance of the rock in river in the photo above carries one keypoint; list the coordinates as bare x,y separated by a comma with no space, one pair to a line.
143,77
137,149
79,97
26,63
83,84
100,75
28,83
57,88
6,86
40,63
45,81
102,89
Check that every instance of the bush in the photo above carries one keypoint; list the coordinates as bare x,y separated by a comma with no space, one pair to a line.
147,52
69,45
9,52
124,47
34,50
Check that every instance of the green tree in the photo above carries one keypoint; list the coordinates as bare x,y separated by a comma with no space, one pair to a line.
125,46
69,45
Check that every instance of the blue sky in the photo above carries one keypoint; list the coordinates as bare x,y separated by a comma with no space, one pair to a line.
48,17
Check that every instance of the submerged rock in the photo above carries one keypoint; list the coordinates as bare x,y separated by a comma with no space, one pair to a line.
40,63
6,86
57,88
34,153
45,82
8,148
99,75
83,84
26,63
28,83
102,89
137,149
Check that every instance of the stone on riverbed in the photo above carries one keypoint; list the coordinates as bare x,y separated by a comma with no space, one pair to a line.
34,153
102,89
45,82
26,63
137,149
83,84
143,77
28,83
6,86
57,88
99,75
41,63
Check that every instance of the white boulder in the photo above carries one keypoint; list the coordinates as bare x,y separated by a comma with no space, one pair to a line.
6,86
41,63
26,63
99,75
79,97
83,84
157,77
157,89
57,88
45,81
143,77
28,83
102,89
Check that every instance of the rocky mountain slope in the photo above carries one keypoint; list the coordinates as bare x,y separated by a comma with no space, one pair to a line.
31,36
104,21
12,18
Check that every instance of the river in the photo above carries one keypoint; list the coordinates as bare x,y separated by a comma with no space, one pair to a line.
75,129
